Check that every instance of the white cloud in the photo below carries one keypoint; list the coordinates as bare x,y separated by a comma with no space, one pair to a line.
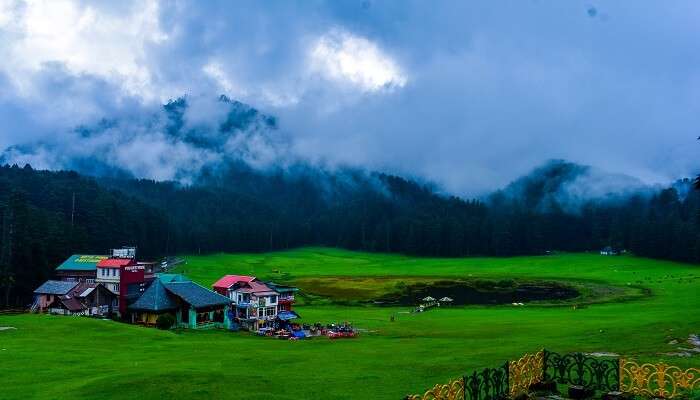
85,39
343,57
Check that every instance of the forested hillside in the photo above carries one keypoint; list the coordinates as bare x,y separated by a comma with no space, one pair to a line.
245,210
40,225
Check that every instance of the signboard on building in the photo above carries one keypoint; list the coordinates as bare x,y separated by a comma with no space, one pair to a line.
124,252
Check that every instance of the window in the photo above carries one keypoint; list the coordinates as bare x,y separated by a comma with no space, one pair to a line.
270,311
114,272
260,312
116,287
273,299
240,298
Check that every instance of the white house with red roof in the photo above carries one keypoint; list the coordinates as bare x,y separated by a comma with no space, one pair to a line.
255,303
109,272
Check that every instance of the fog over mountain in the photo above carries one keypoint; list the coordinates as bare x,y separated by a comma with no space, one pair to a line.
473,96
566,185
222,142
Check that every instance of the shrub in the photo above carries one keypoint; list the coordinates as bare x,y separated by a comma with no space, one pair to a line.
165,321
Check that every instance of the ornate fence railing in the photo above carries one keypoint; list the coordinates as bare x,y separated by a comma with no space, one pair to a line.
657,380
487,384
525,372
607,374
597,373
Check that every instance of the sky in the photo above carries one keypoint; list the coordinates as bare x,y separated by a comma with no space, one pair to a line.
467,94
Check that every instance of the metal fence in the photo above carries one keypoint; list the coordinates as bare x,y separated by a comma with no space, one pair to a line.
596,373
608,374
657,380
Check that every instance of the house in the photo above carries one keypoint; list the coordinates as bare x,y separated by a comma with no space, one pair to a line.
609,251
224,285
286,295
150,268
91,299
125,277
109,272
49,291
193,306
255,303
79,267
96,298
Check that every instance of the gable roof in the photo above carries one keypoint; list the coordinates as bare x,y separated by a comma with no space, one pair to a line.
55,287
80,262
229,280
71,303
155,298
115,262
196,295
257,288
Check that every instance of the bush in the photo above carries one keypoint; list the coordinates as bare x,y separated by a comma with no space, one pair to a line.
165,321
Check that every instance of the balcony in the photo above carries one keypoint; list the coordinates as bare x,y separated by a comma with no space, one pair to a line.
286,299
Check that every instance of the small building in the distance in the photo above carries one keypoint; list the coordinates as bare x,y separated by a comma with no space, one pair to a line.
74,298
609,251
49,291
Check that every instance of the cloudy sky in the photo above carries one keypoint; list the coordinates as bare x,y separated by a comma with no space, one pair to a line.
469,94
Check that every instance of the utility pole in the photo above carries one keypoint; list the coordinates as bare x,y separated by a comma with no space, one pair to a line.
72,222
72,214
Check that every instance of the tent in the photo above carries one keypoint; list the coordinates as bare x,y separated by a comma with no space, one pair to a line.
446,299
428,299
287,315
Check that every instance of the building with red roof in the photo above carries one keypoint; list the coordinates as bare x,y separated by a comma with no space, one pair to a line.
121,274
226,282
256,303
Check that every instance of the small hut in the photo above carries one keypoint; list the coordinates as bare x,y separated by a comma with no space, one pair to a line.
446,301
428,301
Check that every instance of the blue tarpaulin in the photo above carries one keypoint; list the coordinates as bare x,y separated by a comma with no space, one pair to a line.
287,315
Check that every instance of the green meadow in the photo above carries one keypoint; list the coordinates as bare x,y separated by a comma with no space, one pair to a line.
629,305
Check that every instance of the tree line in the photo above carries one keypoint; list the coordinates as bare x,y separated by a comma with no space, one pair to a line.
46,216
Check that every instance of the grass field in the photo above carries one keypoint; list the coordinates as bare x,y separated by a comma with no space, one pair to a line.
64,357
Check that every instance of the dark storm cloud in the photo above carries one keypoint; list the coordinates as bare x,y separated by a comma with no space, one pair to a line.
468,94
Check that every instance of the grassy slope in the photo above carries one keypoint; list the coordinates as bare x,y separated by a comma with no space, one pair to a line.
58,357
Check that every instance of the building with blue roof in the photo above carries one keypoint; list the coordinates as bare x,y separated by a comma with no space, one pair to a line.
192,305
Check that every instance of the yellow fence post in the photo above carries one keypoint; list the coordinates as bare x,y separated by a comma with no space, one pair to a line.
522,373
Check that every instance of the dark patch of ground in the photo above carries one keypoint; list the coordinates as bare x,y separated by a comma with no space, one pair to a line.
480,292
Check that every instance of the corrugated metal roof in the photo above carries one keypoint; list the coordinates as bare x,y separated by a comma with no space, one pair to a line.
55,287
115,262
81,262
72,304
229,280
196,295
